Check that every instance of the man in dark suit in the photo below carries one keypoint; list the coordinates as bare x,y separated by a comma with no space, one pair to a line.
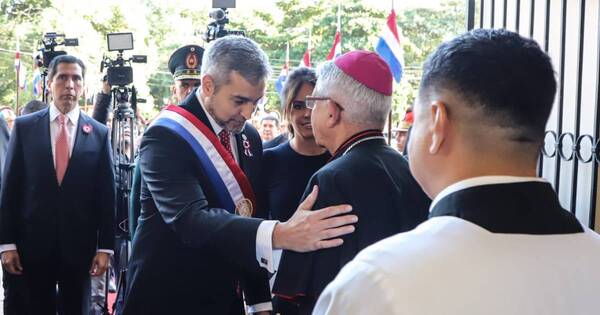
350,104
498,240
189,245
57,199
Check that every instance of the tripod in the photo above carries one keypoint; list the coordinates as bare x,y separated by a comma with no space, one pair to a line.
122,139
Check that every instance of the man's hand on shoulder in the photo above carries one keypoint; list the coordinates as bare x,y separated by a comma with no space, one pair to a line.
310,230
12,262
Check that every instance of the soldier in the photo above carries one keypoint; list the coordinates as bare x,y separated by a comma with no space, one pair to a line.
184,65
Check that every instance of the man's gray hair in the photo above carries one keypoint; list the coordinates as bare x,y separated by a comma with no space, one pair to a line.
362,105
235,53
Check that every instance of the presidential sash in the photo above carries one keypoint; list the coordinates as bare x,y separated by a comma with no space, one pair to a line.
232,187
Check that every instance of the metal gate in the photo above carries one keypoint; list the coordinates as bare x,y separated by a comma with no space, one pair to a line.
568,30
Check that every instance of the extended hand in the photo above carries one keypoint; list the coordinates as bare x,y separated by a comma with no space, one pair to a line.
11,262
309,230
99,264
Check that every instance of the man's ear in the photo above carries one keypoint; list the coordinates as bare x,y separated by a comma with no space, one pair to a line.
439,125
49,86
334,113
208,85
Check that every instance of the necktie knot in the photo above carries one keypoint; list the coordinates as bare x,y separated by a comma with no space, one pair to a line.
224,137
62,119
224,134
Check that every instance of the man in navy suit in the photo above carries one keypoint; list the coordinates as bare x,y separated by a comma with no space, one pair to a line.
189,245
57,199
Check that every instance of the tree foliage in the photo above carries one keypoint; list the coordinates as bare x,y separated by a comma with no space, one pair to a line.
161,26
18,23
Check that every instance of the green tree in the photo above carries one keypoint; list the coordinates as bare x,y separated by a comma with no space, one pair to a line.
423,30
18,23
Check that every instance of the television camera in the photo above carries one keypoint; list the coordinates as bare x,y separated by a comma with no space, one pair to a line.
48,53
216,29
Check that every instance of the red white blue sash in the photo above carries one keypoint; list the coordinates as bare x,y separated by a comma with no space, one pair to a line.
231,184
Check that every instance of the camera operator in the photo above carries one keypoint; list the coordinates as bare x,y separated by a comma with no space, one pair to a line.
102,103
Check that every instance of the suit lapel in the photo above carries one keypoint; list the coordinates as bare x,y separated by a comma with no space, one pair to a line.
240,149
46,146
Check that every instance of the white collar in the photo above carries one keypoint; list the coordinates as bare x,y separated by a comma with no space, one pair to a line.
73,115
481,181
215,126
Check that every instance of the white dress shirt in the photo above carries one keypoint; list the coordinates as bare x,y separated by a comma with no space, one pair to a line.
72,120
448,265
264,234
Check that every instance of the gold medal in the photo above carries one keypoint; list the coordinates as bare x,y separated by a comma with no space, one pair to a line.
244,208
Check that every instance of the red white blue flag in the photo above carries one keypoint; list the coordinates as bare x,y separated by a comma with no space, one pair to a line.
284,70
305,62
20,69
37,81
389,48
336,49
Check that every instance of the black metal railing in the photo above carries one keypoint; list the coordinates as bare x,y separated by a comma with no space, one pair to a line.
560,146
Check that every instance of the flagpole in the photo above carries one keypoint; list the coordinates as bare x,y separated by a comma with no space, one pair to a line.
339,17
309,40
18,69
390,114
389,137
339,24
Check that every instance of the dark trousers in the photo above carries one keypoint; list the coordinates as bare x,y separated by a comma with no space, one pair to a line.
34,292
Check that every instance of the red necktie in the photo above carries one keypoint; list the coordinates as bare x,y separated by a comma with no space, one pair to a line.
62,148
225,140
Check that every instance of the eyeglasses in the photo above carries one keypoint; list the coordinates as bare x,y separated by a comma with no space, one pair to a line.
311,101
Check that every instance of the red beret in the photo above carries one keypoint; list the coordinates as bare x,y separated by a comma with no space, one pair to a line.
367,68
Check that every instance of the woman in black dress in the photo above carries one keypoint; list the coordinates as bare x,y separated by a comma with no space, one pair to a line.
289,166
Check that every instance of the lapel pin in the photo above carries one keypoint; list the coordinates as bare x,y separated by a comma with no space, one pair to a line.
246,144
87,128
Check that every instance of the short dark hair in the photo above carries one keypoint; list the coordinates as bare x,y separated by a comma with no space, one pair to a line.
293,83
33,106
507,76
270,117
235,53
64,59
